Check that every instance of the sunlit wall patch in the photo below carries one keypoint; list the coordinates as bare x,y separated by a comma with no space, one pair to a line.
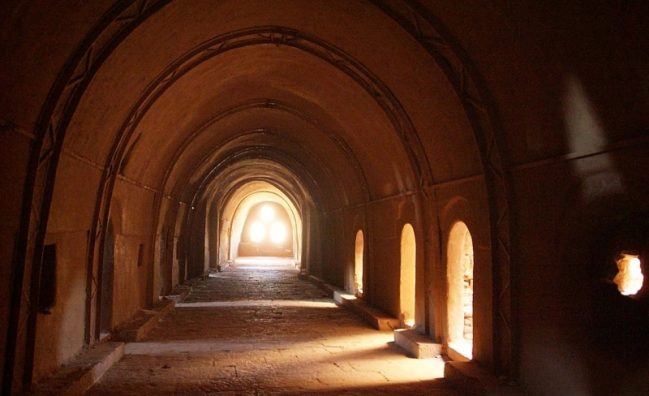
629,279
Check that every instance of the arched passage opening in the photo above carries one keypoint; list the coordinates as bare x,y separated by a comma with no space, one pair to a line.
407,275
460,291
259,219
359,247
266,232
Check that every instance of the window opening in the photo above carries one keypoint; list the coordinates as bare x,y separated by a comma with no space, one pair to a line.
358,263
407,275
629,278
460,290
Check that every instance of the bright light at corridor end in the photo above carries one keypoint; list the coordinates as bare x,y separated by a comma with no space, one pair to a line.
278,233
267,214
629,279
260,228
257,232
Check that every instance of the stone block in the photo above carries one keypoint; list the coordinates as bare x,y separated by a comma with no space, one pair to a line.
143,322
416,345
373,316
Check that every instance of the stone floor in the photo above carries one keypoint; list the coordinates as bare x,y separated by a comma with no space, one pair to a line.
256,329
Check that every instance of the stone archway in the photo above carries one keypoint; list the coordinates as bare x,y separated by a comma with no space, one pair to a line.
459,302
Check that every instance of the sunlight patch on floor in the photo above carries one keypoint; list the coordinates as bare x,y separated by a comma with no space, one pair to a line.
260,303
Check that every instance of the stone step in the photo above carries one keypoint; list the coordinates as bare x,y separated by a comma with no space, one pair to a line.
417,345
143,322
371,315
77,376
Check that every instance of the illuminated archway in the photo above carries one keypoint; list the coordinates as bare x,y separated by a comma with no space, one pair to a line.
359,246
407,275
460,291
236,211
266,232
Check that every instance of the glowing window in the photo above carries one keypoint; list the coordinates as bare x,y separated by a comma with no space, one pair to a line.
407,278
257,232
358,264
267,214
267,232
629,278
278,233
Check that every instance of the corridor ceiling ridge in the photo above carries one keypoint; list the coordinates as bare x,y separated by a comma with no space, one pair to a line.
265,103
149,8
268,145
258,163
278,36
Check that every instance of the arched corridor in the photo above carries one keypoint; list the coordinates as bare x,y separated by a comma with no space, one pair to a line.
159,152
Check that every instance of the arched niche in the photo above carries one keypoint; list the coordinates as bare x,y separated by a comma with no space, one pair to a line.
459,303
407,275
359,248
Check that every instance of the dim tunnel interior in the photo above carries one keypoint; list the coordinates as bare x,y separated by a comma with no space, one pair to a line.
385,148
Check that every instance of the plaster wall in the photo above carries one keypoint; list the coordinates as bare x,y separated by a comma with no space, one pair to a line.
14,152
60,335
130,276
39,50
384,238
559,227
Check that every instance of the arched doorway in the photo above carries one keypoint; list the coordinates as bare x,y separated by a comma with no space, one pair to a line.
230,235
407,275
266,232
107,269
460,290
359,246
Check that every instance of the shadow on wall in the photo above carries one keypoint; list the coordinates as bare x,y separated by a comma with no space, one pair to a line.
607,332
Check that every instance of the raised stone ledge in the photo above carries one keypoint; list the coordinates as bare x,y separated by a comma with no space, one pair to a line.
416,345
373,316
77,376
143,322
473,380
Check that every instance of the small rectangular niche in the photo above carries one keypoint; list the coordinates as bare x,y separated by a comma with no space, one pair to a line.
47,289
140,255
